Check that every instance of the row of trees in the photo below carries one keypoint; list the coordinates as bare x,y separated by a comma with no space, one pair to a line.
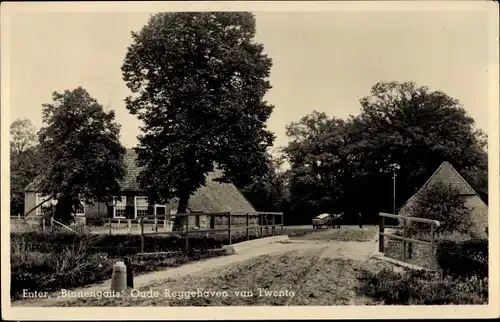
348,164
75,157
197,83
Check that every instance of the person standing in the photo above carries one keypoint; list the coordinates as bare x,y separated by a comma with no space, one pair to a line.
360,220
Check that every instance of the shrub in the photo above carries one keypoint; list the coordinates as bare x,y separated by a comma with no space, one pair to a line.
463,258
442,203
418,287
51,261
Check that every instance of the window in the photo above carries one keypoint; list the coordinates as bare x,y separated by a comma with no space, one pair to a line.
80,210
141,206
160,210
120,208
38,199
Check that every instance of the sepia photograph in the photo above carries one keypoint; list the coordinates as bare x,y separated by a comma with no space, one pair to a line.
338,156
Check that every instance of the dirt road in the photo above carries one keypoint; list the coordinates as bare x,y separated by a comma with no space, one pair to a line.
305,251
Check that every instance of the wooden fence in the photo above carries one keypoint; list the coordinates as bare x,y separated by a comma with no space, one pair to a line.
434,224
230,227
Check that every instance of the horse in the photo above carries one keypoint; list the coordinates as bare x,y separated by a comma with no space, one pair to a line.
336,220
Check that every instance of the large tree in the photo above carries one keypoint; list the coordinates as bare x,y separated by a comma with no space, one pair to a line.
24,161
198,80
83,157
22,136
348,164
417,129
321,175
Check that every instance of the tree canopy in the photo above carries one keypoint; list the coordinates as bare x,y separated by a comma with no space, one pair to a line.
82,154
24,161
348,164
198,80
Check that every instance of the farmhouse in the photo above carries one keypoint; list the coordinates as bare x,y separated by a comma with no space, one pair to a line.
449,176
213,197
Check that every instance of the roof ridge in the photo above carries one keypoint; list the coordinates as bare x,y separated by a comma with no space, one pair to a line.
432,176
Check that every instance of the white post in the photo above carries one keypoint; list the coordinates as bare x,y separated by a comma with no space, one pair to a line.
129,226
119,277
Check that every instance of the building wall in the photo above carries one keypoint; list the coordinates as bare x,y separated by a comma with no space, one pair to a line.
479,214
97,210
477,208
29,201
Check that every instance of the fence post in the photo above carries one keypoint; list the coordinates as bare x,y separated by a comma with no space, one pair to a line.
404,241
248,229
109,221
432,246
282,223
229,226
165,223
129,226
381,235
274,222
43,224
141,221
261,223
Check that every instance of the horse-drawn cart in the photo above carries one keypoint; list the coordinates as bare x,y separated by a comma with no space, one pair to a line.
321,220
327,220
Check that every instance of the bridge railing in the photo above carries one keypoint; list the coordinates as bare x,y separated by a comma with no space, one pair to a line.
247,221
434,224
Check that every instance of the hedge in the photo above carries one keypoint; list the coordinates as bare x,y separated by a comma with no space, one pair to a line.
463,258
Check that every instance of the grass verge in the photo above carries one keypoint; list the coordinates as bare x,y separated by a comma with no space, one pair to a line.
335,234
289,278
422,288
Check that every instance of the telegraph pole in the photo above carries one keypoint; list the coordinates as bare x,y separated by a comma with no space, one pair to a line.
394,192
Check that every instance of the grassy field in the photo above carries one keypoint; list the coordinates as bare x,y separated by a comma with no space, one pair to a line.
352,233
295,278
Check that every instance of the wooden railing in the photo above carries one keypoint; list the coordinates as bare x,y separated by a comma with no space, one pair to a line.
406,220
263,224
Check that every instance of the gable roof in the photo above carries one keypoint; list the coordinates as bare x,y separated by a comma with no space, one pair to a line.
213,197
446,174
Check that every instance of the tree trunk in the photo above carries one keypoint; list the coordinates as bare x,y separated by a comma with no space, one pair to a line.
182,208
64,209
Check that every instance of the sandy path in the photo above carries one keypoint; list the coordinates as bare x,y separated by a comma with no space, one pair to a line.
350,250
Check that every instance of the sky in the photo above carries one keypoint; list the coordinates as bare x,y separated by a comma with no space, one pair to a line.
324,61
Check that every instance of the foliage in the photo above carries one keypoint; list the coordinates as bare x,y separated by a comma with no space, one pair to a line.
269,190
24,162
463,258
418,287
22,136
443,203
198,80
348,164
68,261
319,158
83,157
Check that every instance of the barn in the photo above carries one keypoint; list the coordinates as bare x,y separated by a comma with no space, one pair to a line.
447,174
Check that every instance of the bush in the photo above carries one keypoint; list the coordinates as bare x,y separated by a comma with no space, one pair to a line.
463,258
51,261
442,203
118,245
417,288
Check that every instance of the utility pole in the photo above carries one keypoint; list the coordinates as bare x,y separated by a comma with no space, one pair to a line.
394,192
